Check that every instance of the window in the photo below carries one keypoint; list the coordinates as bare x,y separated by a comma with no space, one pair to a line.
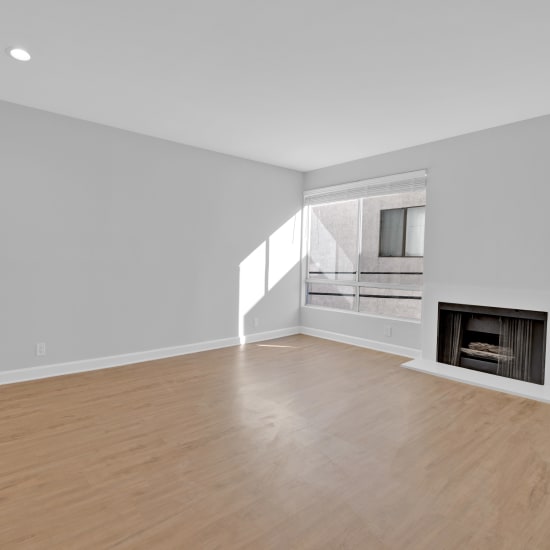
402,232
365,246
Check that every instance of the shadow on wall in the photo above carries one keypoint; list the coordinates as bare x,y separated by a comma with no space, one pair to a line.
263,275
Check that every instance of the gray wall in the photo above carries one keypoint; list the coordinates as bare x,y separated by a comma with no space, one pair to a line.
487,226
113,242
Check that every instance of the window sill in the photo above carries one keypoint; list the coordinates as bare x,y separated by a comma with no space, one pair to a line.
361,314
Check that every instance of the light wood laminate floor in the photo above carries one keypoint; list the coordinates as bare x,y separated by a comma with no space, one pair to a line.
296,443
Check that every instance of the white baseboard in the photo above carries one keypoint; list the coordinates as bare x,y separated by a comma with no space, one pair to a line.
84,365
270,335
72,367
361,342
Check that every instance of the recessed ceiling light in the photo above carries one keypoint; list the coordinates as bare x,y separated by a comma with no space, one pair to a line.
19,54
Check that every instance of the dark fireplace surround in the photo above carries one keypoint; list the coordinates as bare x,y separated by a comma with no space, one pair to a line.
505,342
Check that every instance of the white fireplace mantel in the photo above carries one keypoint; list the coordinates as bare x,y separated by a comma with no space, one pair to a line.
536,299
483,379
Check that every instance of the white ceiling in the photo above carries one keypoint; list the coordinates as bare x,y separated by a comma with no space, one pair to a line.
297,83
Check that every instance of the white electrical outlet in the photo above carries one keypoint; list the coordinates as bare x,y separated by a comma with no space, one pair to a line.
40,348
256,322
387,330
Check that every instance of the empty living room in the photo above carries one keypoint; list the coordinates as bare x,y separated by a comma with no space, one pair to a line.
274,275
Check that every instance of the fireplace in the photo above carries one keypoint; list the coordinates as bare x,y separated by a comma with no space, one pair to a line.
505,342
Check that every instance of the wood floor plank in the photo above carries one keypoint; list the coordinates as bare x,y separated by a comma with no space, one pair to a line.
293,443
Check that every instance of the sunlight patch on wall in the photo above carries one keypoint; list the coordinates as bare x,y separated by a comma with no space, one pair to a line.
251,283
284,250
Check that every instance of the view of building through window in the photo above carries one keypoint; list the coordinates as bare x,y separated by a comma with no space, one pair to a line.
366,254
402,231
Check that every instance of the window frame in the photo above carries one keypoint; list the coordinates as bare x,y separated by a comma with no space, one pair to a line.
356,283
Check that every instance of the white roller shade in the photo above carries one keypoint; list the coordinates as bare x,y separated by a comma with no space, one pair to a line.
375,187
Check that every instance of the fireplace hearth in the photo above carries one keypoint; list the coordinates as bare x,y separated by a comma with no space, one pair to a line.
504,342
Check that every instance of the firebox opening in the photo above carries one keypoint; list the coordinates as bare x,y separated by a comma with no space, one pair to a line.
505,342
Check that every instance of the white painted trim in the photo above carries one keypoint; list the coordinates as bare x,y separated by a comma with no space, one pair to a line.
270,335
72,367
364,314
361,342
97,363
514,387
481,379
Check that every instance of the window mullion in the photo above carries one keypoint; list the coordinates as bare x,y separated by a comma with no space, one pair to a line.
305,300
359,250
404,244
